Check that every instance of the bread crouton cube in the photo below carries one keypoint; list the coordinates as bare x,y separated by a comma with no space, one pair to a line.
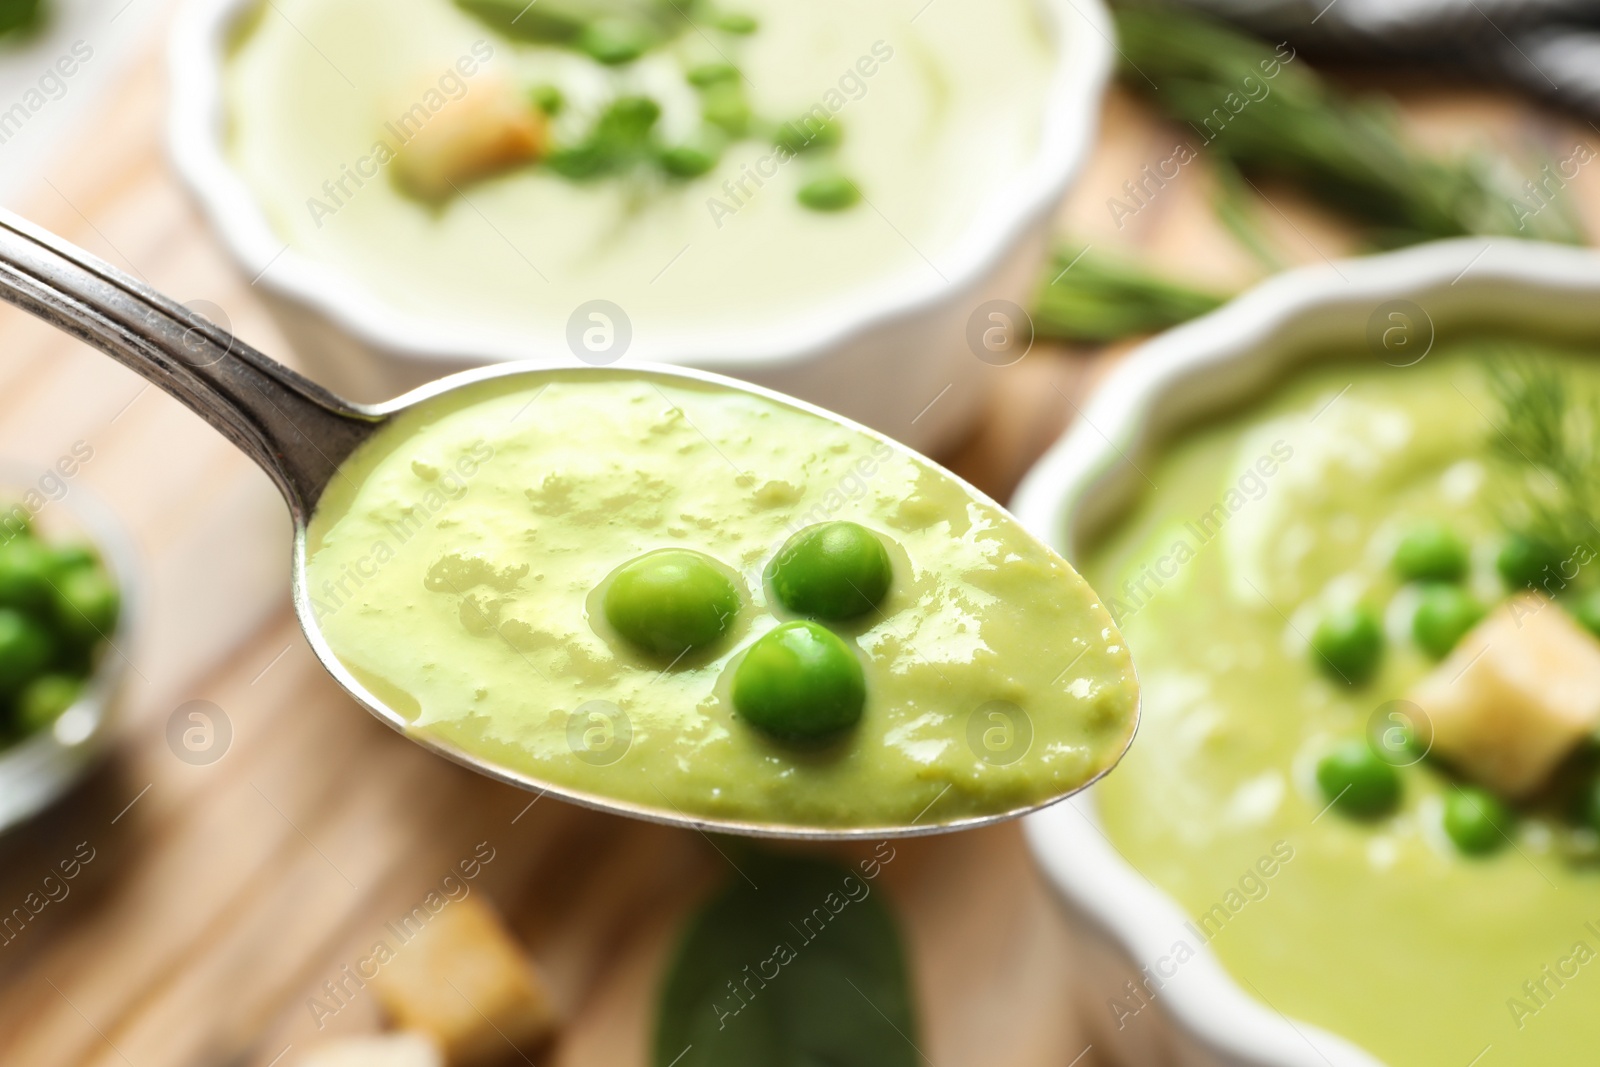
374,1050
1518,693
489,129
465,982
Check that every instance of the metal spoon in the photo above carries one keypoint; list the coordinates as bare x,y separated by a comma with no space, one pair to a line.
300,433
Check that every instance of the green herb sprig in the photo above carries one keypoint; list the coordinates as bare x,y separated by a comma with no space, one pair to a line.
1258,109
1268,113
1092,298
1548,438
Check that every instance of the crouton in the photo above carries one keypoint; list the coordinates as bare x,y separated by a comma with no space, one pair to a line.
464,981
1519,692
489,129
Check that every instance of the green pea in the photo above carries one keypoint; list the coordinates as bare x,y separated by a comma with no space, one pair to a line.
807,133
1587,611
628,119
1357,781
1431,551
549,99
707,74
833,570
724,105
1528,561
44,699
1476,820
614,41
800,681
670,601
580,162
830,192
735,22
26,572
687,161
26,649
1348,644
1443,618
87,606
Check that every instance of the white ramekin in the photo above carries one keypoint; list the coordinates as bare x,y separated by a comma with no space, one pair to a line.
1124,923
895,357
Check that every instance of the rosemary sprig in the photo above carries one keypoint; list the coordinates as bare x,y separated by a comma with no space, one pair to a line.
1548,436
1256,109
1095,298
1268,113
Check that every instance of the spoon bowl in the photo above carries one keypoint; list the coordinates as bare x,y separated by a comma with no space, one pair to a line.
301,435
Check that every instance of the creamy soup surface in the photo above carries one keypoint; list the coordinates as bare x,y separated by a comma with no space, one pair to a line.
456,568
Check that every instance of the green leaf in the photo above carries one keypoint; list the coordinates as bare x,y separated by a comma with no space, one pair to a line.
805,971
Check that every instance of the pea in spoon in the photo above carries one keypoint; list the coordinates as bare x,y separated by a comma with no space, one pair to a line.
301,434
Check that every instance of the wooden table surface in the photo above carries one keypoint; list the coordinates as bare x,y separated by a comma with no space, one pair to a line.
221,897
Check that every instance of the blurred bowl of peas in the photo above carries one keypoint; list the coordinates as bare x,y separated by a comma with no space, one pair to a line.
67,603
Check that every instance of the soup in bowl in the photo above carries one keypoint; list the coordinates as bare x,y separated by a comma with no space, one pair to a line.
818,196
1344,526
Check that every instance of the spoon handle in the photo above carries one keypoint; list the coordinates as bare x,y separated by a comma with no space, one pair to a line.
296,430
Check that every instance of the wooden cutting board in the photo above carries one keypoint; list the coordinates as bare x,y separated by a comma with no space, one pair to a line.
220,898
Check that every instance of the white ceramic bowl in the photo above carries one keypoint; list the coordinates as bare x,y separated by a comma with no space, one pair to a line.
881,357
1199,1014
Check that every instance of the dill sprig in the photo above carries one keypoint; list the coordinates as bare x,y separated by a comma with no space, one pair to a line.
1270,114
1548,434
1094,299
